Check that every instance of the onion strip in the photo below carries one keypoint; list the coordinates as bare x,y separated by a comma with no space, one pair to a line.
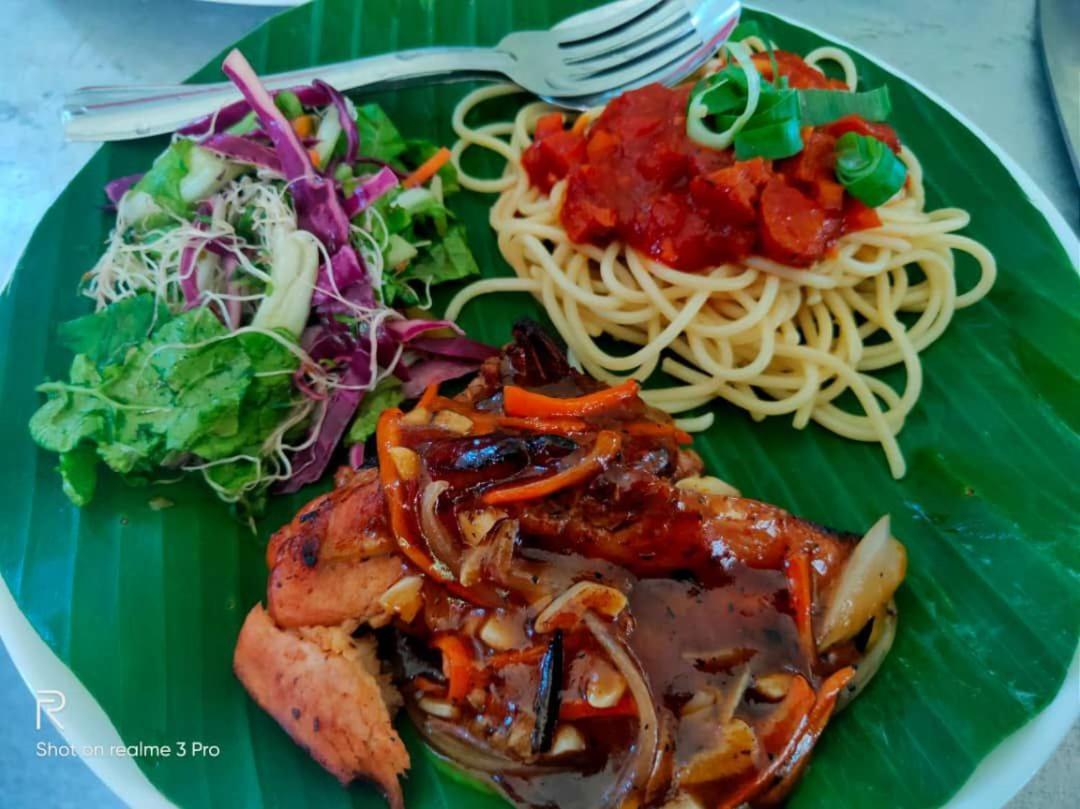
439,542
637,773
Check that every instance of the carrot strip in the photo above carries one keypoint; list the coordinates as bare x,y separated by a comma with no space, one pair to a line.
520,402
303,125
603,451
388,436
313,156
426,170
655,429
457,665
786,719
530,655
797,571
796,752
430,393
535,424
572,709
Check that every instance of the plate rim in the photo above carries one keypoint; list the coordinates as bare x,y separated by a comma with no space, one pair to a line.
996,779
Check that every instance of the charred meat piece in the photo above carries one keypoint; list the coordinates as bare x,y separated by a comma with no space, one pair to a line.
571,609
328,701
335,560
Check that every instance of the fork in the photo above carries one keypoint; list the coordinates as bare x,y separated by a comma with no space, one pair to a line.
579,63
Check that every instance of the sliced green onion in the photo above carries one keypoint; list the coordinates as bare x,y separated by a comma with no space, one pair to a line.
825,106
868,169
289,104
776,106
772,141
697,111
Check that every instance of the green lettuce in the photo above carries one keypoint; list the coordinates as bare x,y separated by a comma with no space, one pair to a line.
187,391
387,393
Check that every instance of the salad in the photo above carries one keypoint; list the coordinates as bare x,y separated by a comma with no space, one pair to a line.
260,299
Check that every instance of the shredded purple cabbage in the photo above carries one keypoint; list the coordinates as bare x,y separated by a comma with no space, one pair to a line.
351,279
115,189
375,186
230,114
318,209
405,331
432,372
458,348
244,150
310,463
348,123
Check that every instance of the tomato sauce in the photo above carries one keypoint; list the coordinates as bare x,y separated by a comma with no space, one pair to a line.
635,176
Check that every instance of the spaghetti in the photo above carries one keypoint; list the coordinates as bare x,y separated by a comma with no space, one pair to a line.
771,339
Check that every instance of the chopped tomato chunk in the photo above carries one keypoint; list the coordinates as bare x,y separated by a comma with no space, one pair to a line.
799,74
550,159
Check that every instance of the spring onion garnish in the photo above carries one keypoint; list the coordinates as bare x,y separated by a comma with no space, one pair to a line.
825,106
730,95
774,130
868,169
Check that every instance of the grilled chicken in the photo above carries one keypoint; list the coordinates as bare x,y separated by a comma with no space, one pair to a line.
481,525
328,700
335,559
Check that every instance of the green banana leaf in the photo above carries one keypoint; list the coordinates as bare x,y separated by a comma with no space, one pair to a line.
144,605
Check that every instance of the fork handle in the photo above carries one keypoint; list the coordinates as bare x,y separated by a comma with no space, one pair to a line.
126,112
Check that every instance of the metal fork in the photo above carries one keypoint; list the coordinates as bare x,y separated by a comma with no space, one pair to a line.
579,63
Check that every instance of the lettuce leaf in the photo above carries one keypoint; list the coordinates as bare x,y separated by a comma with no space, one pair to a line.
163,180
447,260
379,138
387,393
188,391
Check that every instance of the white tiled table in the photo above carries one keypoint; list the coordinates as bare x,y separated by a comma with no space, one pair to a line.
965,50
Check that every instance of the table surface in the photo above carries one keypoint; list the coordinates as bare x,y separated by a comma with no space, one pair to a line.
969,53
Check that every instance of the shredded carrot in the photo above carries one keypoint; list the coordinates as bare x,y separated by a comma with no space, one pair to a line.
797,570
388,436
313,156
579,125
655,429
535,424
304,125
532,654
794,755
572,709
520,402
603,452
787,717
457,663
430,392
426,170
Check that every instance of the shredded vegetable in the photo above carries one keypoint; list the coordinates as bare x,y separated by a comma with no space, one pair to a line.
275,223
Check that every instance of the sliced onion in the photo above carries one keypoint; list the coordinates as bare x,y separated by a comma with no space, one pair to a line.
463,748
439,541
638,770
867,582
881,642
